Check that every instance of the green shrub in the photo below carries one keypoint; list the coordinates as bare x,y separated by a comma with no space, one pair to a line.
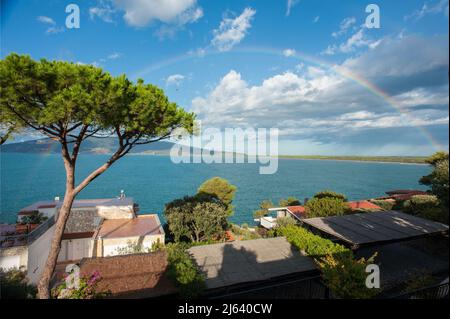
311,244
14,285
346,276
330,194
286,221
184,272
419,203
384,204
326,206
426,206
342,273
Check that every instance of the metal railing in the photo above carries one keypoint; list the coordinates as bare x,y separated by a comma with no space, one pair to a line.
433,292
304,288
7,241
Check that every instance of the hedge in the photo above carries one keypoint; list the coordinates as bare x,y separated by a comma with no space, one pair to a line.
343,274
311,244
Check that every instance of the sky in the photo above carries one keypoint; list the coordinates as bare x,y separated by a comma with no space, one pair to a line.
313,69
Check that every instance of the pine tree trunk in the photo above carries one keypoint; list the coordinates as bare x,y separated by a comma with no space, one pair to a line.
60,225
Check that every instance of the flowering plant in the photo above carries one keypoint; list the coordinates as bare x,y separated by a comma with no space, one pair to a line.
84,288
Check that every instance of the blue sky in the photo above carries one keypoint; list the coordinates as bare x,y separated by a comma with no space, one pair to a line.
310,68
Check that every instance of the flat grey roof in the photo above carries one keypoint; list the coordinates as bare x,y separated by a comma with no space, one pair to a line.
250,260
81,203
375,227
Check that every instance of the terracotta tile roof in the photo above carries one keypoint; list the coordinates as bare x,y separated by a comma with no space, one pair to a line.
131,276
298,211
363,204
142,225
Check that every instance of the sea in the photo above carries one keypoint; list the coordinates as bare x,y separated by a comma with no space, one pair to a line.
153,181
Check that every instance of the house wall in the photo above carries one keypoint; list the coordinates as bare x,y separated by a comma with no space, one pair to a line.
14,257
75,249
111,245
37,255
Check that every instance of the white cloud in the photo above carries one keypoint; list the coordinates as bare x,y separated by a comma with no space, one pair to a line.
289,52
437,7
140,13
173,15
357,40
232,30
316,19
54,30
46,20
321,105
175,79
344,26
114,56
290,5
104,11
52,27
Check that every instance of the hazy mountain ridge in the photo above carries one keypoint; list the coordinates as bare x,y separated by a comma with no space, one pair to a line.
90,146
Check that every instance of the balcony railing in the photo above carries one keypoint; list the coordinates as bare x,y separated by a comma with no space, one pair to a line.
7,241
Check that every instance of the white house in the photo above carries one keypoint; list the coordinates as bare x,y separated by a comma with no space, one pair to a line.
95,228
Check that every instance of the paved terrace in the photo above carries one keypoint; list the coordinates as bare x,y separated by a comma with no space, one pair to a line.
140,226
249,261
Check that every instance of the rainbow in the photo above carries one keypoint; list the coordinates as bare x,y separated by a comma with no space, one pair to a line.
344,72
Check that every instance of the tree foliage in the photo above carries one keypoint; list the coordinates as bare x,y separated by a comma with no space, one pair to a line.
330,194
221,189
326,206
263,207
290,201
438,181
69,103
195,218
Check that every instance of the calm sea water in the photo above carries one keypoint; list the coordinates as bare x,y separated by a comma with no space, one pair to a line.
154,180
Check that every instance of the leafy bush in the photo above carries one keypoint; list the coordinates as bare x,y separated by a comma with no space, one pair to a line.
15,285
184,272
244,233
312,244
330,194
34,218
326,206
426,206
286,221
343,275
384,204
419,203
346,276
87,289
